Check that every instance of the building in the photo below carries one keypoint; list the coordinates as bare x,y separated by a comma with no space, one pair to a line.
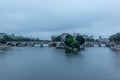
63,35
104,40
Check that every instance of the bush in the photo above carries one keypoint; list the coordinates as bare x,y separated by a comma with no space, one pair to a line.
3,41
69,40
58,38
80,40
115,37
74,43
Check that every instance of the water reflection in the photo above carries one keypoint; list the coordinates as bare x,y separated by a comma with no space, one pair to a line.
35,63
116,60
4,50
75,54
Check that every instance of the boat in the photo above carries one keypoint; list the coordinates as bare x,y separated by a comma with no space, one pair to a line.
60,45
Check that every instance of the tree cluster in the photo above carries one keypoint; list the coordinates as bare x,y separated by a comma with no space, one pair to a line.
9,38
115,37
72,42
89,40
58,38
3,40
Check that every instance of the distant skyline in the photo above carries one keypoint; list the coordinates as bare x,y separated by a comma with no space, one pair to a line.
43,18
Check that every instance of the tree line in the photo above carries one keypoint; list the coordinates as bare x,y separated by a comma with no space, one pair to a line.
115,38
7,38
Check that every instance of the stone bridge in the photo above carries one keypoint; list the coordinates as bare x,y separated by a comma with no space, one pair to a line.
30,43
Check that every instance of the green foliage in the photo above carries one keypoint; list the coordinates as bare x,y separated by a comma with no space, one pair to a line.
58,38
69,40
3,41
74,43
89,39
96,40
115,37
53,37
80,40
9,38
69,36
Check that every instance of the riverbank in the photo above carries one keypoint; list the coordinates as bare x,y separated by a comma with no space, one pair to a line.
115,47
2,46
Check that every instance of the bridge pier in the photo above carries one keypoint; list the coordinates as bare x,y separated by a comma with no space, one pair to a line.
41,45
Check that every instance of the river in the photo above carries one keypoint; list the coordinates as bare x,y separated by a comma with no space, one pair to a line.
35,63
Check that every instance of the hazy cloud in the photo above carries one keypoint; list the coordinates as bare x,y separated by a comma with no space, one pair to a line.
48,17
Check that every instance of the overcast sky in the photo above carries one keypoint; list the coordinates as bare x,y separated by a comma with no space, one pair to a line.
43,18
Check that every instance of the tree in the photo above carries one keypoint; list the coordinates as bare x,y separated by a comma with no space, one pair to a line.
53,37
74,43
89,39
80,40
115,37
58,38
3,41
69,40
8,38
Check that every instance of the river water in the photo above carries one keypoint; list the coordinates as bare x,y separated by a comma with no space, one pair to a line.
35,63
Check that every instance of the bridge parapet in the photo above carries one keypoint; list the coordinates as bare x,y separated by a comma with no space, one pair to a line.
28,43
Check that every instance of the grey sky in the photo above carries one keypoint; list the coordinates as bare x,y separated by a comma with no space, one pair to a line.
47,17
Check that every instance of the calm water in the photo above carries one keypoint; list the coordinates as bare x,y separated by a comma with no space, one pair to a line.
35,63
